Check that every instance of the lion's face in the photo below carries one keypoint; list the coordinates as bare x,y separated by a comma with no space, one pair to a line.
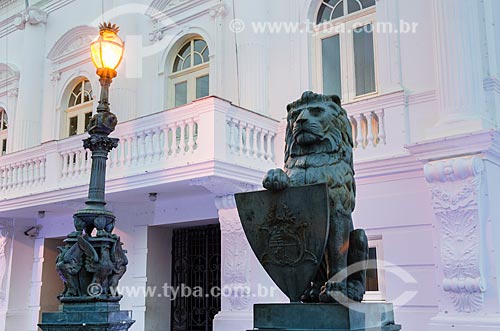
311,123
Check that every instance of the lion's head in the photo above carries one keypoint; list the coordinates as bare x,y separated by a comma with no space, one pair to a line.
317,123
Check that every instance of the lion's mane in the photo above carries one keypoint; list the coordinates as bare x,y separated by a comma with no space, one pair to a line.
329,160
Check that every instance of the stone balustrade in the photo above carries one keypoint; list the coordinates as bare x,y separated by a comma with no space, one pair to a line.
368,129
378,127
209,129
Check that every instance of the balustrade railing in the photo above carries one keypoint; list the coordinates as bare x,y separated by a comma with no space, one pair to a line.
207,129
27,171
368,129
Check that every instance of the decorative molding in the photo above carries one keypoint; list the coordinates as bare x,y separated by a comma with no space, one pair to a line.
235,258
456,186
6,241
8,74
164,8
55,76
422,97
5,3
218,11
491,84
13,93
180,15
32,15
393,99
73,43
486,143
400,166
225,202
9,80
7,25
223,186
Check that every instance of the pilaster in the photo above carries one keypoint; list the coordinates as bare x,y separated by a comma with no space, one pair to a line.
236,310
36,283
6,241
29,108
462,173
459,67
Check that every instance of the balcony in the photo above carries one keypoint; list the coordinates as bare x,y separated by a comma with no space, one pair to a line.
207,138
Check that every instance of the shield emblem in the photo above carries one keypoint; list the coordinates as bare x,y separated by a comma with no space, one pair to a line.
287,231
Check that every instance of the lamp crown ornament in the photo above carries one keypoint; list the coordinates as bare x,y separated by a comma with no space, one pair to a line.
109,26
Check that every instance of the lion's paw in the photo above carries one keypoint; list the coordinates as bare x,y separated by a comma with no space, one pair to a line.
355,291
311,294
333,292
276,180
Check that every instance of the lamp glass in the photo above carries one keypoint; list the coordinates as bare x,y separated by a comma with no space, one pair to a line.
107,50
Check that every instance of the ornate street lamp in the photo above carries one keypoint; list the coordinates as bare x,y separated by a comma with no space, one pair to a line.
89,264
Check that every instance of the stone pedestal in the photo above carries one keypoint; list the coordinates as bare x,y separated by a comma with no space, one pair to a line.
327,317
95,316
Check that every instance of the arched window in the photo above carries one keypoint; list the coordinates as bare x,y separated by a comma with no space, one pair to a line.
79,108
189,79
347,64
4,124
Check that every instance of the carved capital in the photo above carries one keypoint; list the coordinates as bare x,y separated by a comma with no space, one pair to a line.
456,186
31,15
55,76
218,11
225,202
100,143
14,92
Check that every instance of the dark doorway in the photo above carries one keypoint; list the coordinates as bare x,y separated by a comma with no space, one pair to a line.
196,265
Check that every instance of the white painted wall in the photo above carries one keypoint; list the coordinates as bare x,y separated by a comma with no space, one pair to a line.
268,71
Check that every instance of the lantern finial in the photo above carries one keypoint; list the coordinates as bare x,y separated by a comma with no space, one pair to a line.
109,26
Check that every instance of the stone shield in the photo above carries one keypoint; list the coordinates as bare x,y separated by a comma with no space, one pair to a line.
287,231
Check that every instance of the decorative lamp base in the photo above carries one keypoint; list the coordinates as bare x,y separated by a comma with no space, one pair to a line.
96,316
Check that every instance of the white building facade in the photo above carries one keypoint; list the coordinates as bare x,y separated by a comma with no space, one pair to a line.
201,99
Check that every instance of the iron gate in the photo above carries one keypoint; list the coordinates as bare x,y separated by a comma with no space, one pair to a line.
196,265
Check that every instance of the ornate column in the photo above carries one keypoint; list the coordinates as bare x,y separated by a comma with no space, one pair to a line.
6,238
465,252
236,313
30,100
459,67
457,186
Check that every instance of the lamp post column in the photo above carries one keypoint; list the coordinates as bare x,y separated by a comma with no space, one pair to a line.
91,264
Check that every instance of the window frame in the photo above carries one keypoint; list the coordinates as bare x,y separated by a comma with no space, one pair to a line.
80,110
380,295
189,75
3,132
344,27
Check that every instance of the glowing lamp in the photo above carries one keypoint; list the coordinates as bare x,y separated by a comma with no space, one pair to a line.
107,50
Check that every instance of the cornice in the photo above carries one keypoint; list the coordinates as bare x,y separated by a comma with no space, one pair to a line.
31,15
7,25
161,9
396,167
486,143
393,99
229,173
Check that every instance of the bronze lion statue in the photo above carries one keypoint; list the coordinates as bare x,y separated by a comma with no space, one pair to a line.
319,150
